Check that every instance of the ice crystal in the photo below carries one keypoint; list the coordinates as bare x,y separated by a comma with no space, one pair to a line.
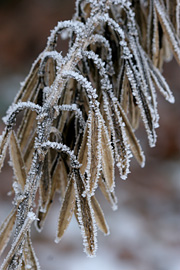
79,116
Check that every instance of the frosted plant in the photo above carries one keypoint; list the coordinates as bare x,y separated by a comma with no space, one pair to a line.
79,116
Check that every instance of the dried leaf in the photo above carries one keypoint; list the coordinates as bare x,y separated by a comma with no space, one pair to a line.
107,157
29,86
58,182
27,131
83,152
168,29
133,142
4,140
94,153
142,102
161,83
119,139
109,195
99,216
17,161
29,256
90,152
6,229
134,112
153,38
45,185
85,215
67,209
18,244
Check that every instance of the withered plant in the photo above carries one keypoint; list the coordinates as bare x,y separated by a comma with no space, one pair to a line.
80,113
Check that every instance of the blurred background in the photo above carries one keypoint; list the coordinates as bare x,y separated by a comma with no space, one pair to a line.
145,230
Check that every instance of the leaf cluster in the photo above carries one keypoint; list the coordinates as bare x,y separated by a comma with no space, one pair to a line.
80,113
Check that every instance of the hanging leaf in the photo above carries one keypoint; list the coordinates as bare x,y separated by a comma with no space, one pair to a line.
107,157
99,216
6,229
59,178
4,139
67,209
85,215
90,151
168,29
83,152
45,185
133,142
17,161
30,260
109,195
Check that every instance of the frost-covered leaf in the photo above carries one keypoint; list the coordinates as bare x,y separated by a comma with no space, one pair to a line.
94,152
122,153
67,209
85,215
107,157
29,256
131,138
153,36
59,178
45,185
168,29
161,83
83,152
29,86
11,258
134,112
99,216
109,195
17,161
143,104
6,229
4,139
82,110
27,131
89,155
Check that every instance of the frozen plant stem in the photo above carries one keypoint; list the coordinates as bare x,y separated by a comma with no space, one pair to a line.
80,116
